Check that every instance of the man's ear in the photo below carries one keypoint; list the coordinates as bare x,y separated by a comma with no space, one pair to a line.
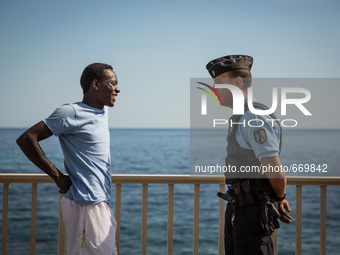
239,82
94,84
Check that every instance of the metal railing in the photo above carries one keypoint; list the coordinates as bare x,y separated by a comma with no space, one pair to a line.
170,180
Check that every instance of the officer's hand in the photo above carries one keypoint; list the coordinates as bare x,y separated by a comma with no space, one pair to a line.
283,207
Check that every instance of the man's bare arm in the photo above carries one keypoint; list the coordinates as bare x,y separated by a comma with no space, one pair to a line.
29,144
278,182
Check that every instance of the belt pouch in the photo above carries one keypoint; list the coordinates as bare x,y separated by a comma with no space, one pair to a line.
239,194
248,194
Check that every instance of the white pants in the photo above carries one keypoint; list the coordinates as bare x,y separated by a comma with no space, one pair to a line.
90,229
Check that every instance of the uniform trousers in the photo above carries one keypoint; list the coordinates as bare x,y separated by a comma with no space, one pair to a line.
245,236
90,229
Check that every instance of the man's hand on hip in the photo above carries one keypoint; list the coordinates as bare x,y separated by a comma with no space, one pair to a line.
64,183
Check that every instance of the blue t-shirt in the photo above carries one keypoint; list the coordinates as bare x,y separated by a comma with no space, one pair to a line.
85,141
247,138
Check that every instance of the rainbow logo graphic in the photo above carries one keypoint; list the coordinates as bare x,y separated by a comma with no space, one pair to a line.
208,92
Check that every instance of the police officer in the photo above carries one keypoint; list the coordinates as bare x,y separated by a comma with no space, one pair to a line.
257,199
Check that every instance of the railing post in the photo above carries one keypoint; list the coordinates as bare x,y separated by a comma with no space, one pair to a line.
170,218
274,240
33,217
298,219
61,231
117,214
221,222
323,200
4,219
144,218
196,218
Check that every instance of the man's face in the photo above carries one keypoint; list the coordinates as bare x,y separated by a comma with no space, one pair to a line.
225,94
108,88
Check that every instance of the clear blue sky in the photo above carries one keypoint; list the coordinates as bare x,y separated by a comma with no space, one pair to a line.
155,48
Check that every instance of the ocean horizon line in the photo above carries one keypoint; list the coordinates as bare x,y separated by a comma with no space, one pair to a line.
184,128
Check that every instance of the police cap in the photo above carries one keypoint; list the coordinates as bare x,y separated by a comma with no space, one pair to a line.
228,63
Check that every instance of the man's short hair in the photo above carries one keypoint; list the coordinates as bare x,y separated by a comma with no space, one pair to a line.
244,74
92,72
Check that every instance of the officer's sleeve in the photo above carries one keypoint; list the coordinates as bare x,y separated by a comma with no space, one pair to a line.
62,120
262,134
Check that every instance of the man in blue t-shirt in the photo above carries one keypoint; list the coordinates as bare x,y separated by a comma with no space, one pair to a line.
82,129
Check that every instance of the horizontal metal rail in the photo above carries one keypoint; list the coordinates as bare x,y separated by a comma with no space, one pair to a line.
169,179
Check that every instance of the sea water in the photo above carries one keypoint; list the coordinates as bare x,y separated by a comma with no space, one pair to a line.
167,151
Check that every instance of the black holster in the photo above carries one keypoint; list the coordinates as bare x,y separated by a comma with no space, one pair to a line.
269,214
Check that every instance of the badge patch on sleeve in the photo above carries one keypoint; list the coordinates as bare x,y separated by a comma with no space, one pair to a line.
260,135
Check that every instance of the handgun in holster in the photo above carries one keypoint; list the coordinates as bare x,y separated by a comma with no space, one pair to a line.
228,197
